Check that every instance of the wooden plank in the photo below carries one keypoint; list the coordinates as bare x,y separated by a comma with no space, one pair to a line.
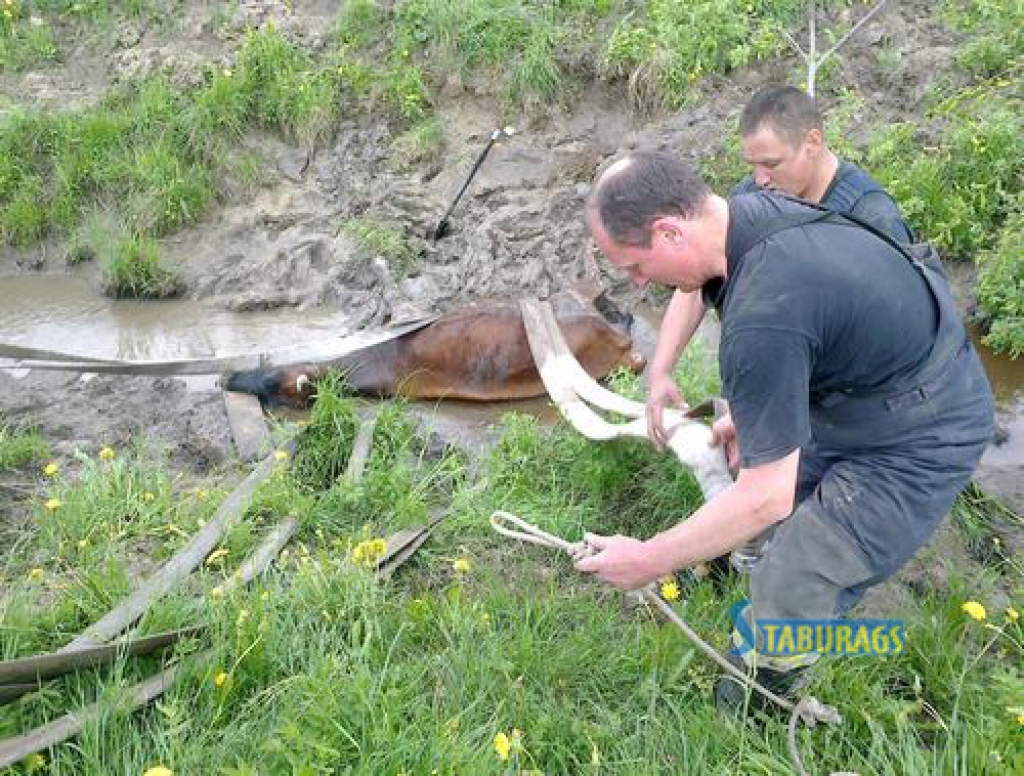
248,426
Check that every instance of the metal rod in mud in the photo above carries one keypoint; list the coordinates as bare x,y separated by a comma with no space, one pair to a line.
442,226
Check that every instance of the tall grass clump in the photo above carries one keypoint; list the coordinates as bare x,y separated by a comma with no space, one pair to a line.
956,194
325,443
995,45
665,46
284,89
383,240
132,269
24,41
19,446
1001,287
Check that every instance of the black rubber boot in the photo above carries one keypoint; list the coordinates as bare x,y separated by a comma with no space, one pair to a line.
731,694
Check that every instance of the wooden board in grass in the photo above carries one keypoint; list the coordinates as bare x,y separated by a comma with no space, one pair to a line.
248,426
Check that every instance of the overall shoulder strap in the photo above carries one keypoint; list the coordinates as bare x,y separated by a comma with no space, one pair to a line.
777,223
850,187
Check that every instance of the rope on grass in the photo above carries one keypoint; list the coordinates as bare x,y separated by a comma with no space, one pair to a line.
809,709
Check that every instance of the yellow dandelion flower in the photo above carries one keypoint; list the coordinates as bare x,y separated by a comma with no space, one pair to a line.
220,680
265,595
974,610
53,503
215,556
462,566
33,763
502,746
106,453
201,494
147,496
217,592
281,455
1011,614
36,574
51,469
158,770
368,551
83,543
669,589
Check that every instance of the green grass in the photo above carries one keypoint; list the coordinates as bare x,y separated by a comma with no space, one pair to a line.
382,240
420,144
19,446
1001,288
319,668
132,269
665,47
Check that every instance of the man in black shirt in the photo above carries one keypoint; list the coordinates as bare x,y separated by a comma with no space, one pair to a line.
781,135
858,407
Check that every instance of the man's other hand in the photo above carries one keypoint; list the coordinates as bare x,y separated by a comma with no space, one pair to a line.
663,392
723,433
619,561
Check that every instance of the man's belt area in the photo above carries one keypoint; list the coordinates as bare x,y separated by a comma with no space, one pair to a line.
895,400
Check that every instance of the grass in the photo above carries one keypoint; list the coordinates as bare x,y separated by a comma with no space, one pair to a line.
1001,288
384,241
319,668
19,446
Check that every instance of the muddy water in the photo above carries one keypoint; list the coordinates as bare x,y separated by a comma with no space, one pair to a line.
62,313
1007,379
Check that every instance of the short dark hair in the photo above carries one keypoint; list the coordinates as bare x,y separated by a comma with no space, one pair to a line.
789,112
650,185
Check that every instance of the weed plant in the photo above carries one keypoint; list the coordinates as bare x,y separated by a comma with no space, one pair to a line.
667,46
1001,287
19,446
476,642
132,269
384,241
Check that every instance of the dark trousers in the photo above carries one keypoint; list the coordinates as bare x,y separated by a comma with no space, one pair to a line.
877,480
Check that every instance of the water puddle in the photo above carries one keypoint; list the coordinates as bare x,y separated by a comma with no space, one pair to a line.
1006,376
61,313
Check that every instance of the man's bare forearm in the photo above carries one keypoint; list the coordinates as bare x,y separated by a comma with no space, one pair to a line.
735,515
682,317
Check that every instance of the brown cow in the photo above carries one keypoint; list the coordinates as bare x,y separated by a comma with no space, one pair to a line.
479,353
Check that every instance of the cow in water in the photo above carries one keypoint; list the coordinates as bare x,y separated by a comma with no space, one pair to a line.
477,353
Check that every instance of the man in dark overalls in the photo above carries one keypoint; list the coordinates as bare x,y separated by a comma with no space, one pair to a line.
782,139
859,409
